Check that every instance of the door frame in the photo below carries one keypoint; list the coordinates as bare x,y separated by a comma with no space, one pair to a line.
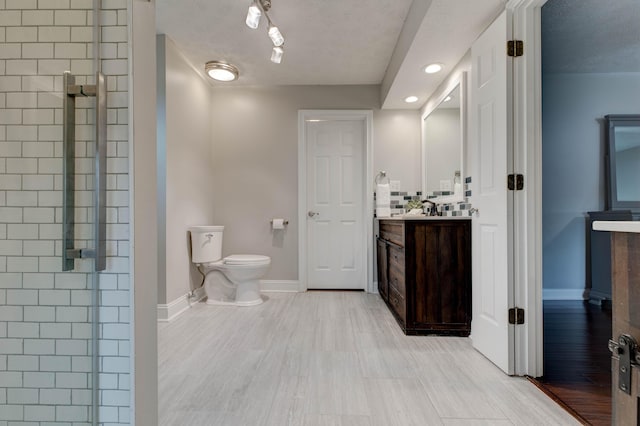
527,128
367,234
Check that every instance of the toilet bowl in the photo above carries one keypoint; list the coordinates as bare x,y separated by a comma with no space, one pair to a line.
233,280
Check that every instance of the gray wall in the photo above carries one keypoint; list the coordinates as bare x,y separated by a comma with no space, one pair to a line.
145,217
186,174
574,106
255,137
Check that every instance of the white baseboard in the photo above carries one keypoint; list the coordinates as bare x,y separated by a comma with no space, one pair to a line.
280,286
168,312
562,294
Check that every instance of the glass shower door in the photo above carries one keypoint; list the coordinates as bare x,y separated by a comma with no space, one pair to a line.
51,184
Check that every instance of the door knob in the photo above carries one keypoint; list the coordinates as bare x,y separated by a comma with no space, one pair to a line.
312,214
474,210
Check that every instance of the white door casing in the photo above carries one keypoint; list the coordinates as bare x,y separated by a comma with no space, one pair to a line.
527,123
334,171
491,154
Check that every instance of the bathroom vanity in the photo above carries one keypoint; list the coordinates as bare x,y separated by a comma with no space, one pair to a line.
424,273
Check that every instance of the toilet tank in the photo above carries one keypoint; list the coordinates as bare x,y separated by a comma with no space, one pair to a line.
206,243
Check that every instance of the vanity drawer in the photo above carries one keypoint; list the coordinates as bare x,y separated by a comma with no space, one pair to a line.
392,231
397,269
398,304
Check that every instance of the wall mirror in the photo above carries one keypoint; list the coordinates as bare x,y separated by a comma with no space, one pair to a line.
623,162
443,142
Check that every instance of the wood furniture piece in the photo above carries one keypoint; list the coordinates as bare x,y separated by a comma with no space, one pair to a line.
625,358
424,273
599,256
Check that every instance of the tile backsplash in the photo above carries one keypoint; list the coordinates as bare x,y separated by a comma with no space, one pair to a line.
399,200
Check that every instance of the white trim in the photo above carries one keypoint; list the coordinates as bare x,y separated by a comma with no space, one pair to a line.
563,294
170,311
527,127
279,286
367,116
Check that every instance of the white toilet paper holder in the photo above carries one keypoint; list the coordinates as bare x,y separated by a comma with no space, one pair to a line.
285,222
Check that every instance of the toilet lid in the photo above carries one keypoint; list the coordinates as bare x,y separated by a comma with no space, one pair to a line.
245,259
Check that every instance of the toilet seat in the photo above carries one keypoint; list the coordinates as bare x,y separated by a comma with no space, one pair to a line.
246,259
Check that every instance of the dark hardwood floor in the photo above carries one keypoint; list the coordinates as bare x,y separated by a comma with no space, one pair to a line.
577,362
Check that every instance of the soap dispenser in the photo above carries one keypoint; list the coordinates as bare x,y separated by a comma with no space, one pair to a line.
457,183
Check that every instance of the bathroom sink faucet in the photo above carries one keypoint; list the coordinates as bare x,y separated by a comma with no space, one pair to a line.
433,211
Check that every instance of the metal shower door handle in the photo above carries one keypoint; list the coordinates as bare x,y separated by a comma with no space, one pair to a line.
71,92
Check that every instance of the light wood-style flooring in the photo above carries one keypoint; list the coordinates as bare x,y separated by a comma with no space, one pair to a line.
331,358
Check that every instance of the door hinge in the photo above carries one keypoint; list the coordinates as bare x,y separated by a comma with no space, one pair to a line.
515,182
516,316
626,348
515,48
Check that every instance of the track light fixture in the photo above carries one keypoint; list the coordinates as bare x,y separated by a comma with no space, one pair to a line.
275,35
255,12
276,54
253,15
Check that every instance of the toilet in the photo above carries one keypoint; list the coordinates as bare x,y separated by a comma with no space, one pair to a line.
233,280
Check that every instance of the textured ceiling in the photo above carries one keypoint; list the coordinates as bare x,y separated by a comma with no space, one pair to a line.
448,30
591,36
326,41
331,41
353,41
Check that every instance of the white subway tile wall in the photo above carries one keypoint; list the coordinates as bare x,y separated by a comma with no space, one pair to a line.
45,314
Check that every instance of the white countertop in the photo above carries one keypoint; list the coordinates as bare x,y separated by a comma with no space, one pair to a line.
424,217
617,226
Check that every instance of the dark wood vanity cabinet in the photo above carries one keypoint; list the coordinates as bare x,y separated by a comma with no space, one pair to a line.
424,274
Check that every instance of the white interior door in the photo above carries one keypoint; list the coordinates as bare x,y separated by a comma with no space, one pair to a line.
489,142
336,257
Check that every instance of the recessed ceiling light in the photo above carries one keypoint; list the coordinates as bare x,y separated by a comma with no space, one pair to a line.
433,68
221,71
411,99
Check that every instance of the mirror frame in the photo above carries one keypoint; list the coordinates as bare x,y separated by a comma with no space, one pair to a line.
613,122
460,79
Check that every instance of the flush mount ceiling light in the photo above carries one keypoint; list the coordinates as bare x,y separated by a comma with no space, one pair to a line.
433,68
255,12
221,71
411,99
